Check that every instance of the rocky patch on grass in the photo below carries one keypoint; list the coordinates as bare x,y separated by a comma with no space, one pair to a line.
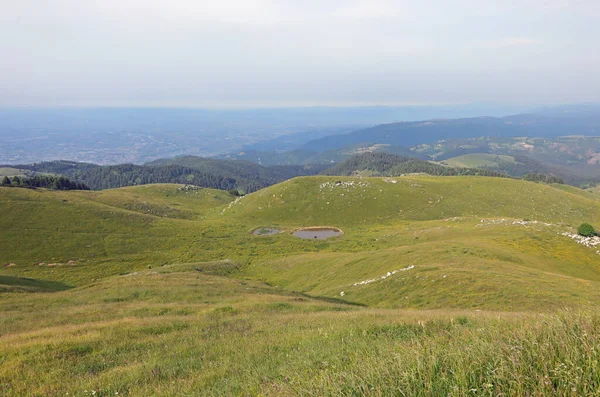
189,188
55,264
590,242
485,222
348,185
388,274
234,202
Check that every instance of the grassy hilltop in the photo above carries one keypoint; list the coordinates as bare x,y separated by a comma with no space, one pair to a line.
439,285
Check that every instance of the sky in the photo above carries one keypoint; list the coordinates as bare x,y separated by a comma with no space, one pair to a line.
257,53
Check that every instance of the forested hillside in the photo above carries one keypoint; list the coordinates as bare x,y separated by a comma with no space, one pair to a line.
45,181
249,177
386,164
218,174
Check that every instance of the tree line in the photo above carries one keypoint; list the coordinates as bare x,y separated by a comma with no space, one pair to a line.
43,181
234,175
231,175
386,164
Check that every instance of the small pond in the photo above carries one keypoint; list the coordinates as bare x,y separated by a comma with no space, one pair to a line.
319,233
265,231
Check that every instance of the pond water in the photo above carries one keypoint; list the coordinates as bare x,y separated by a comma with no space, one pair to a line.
317,233
265,231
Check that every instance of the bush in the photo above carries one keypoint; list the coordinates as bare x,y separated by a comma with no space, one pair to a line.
586,230
237,192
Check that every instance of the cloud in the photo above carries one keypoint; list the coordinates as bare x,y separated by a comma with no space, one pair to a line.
311,50
509,42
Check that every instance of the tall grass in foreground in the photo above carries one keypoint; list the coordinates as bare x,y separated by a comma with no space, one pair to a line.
552,355
270,347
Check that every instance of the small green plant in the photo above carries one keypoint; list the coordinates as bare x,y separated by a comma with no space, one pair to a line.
586,230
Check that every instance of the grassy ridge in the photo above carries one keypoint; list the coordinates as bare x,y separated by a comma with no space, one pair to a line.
354,201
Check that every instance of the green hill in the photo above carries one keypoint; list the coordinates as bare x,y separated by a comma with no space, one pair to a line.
437,222
465,228
101,233
164,289
386,164
373,201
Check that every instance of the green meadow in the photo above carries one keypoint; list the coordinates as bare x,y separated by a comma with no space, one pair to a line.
438,286
10,172
476,160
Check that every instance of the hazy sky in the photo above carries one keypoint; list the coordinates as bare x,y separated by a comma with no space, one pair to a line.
304,52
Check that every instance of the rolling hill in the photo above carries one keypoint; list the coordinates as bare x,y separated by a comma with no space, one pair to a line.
165,289
103,233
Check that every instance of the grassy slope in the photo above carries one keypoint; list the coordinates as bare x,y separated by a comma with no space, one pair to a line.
20,284
102,233
478,160
176,331
431,223
8,171
459,262
375,201
180,328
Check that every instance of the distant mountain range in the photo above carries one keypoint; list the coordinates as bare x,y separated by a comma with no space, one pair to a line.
545,124
138,135
558,142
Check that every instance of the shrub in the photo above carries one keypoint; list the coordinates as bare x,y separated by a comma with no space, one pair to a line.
586,230
237,192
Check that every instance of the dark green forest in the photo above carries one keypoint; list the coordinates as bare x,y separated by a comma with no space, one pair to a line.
218,174
46,181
